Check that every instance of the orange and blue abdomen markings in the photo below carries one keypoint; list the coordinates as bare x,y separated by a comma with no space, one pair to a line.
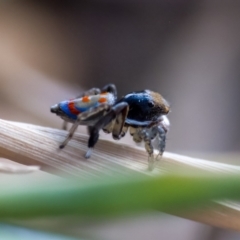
102,100
73,107
69,111
86,99
69,108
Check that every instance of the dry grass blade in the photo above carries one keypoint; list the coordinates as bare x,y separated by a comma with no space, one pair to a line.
29,144
10,167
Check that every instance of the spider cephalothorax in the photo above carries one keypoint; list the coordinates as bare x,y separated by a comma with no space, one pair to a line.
143,113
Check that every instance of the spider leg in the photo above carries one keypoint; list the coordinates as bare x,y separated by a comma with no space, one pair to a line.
162,140
116,112
64,126
124,131
92,91
121,114
84,117
109,127
135,133
89,129
110,88
145,135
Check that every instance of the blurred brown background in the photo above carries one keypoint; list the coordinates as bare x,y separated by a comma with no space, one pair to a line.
189,51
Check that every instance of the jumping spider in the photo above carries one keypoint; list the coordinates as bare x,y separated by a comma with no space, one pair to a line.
143,113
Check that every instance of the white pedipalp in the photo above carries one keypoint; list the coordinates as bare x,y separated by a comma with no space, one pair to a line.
165,123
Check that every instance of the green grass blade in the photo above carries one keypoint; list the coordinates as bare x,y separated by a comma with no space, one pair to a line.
114,196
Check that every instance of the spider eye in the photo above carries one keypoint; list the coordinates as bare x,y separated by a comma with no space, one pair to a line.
150,104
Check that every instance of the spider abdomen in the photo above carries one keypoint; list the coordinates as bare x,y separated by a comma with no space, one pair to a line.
71,108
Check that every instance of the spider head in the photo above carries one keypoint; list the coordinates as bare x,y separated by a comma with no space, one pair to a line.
145,106
158,103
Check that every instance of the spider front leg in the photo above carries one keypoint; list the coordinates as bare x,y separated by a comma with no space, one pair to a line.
146,136
118,114
151,159
161,140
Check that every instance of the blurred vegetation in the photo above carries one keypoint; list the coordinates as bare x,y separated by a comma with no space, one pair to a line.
113,197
